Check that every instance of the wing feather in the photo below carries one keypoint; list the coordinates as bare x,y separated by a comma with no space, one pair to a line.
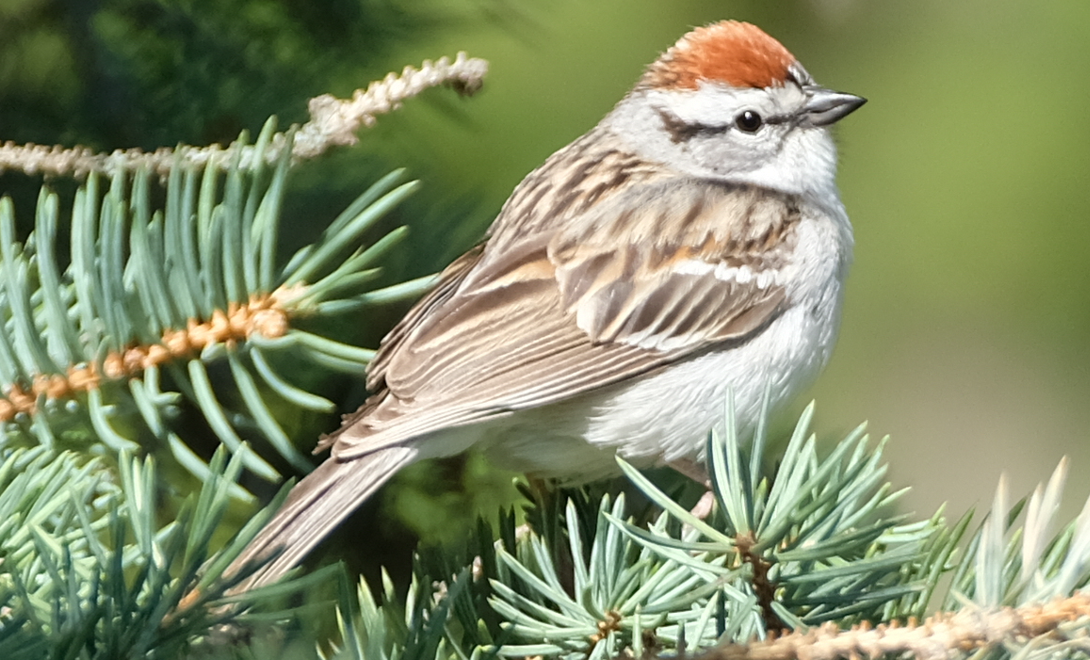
449,280
629,286
681,279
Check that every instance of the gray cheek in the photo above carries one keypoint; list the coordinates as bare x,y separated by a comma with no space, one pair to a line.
727,156
718,156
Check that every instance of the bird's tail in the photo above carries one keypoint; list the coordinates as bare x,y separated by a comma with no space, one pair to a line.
316,505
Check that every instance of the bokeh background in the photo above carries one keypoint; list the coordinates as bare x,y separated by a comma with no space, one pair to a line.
966,333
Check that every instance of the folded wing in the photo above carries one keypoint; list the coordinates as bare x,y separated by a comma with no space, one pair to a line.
603,298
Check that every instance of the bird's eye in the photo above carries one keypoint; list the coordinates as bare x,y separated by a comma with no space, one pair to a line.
749,121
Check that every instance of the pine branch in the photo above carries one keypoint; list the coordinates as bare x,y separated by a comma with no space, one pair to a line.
807,543
152,300
154,308
333,122
89,571
1056,627
265,316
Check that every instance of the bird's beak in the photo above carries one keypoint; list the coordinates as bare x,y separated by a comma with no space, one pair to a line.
825,107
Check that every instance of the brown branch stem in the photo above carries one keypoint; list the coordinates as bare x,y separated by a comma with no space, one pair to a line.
938,638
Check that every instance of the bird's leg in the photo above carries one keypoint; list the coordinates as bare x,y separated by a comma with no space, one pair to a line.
692,469
699,474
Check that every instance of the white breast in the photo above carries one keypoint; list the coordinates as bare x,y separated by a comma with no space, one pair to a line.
666,416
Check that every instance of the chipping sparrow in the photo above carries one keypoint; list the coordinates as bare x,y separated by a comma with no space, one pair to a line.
691,244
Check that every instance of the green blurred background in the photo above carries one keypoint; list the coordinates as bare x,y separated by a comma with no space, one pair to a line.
967,176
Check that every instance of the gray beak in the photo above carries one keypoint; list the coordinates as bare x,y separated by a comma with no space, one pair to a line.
825,107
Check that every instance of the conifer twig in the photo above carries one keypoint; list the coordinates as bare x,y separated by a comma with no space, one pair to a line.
939,637
333,122
266,315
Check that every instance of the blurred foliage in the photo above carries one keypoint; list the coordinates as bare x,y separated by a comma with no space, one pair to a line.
965,175
148,73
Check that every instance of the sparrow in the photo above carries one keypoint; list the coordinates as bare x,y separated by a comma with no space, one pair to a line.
692,244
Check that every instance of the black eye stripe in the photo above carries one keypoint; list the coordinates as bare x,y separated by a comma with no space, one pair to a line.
682,131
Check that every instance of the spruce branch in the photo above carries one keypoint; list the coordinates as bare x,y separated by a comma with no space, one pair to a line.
807,545
1017,592
813,543
261,315
333,122
88,569
155,302
1059,625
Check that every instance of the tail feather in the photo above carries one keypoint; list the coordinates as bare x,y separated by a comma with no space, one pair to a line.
316,505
